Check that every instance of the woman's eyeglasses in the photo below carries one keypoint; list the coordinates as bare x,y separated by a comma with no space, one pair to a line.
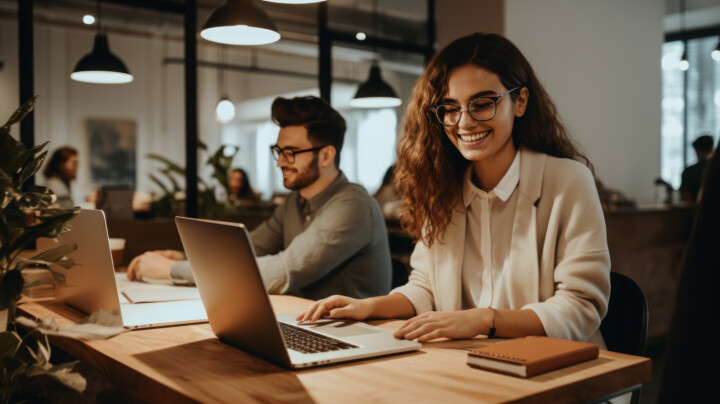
480,109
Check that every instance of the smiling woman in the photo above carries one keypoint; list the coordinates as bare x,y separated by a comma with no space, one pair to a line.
511,235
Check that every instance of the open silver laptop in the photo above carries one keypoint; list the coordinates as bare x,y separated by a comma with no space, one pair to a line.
227,276
90,286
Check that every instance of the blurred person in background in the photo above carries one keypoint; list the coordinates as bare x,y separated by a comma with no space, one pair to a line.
692,175
59,173
387,196
241,192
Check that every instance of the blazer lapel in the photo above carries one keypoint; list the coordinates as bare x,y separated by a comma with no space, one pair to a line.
522,274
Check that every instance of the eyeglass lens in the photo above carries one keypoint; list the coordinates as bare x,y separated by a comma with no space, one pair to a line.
288,154
481,109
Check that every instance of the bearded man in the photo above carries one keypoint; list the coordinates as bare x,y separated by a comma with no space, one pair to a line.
328,236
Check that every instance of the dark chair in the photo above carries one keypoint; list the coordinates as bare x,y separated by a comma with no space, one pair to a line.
400,273
690,354
625,325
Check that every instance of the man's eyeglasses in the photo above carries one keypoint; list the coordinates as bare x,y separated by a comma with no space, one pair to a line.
289,154
480,109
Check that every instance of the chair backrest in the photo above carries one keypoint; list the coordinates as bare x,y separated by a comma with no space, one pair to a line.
400,273
624,327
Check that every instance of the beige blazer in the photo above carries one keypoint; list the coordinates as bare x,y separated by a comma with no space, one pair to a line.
559,264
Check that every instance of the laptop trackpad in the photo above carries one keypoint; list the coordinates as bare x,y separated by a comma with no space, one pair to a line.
342,328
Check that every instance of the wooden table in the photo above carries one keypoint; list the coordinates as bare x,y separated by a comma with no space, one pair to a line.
189,364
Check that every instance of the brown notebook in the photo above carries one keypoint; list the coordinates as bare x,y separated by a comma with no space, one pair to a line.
529,356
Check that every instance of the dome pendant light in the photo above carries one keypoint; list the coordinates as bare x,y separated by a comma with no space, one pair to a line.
225,110
240,22
100,65
375,92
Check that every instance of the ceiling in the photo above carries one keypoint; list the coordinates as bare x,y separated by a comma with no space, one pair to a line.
397,20
401,20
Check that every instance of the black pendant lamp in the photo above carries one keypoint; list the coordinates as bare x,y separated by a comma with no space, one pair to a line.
375,92
240,22
100,65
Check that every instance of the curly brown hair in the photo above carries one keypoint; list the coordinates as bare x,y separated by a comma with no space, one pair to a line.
429,168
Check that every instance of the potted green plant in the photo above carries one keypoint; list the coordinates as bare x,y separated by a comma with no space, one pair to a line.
26,214
172,199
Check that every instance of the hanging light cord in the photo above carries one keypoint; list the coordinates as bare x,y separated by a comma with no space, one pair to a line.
682,16
99,13
221,71
375,29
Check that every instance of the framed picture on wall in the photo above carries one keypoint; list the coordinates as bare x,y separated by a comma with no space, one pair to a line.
112,145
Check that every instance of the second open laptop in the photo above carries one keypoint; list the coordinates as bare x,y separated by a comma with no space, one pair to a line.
90,286
227,276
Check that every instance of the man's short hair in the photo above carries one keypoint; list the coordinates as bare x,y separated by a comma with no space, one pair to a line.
703,143
324,125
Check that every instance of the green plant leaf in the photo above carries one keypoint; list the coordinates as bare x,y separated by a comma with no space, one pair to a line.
31,167
59,276
65,262
56,253
173,166
13,155
159,183
21,112
11,285
66,376
9,343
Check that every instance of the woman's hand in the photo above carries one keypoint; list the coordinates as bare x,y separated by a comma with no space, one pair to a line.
337,307
446,324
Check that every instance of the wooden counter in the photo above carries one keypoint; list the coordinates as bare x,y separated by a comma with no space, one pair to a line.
647,245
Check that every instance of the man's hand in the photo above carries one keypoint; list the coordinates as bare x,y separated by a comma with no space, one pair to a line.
153,264
174,255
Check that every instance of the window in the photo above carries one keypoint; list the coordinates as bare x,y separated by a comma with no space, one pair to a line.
690,103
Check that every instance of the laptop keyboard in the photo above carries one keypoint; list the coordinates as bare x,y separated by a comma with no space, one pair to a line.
306,341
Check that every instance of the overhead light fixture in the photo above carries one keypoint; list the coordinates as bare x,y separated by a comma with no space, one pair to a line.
88,19
684,64
294,1
101,66
716,52
225,110
375,92
240,22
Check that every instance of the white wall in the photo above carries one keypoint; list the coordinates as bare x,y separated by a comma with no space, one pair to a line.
600,62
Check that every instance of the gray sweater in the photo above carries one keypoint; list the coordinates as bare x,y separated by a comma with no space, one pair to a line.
335,243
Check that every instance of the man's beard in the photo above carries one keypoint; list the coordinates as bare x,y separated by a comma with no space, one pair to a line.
304,177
